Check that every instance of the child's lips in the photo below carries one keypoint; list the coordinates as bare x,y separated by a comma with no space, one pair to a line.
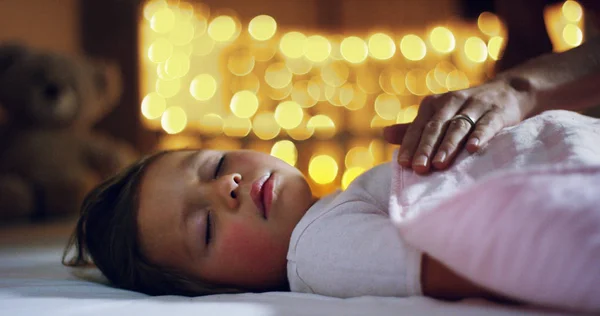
257,193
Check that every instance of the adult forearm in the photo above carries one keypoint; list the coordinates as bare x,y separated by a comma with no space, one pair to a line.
567,80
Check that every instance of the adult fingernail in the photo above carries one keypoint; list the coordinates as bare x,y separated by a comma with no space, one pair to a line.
439,157
403,159
473,142
421,161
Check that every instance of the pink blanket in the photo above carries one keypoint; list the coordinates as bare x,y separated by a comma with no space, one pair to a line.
521,217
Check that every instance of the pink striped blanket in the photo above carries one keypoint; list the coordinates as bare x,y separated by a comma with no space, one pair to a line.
520,217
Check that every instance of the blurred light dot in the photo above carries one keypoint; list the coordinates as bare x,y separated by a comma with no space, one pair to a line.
413,47
475,49
241,62
368,80
177,65
572,35
381,46
265,126
298,66
359,157
300,132
442,39
335,73
168,88
278,76
248,82
316,88
200,26
182,33
244,104
457,80
292,44
300,94
262,27
153,105
173,120
489,24
263,51
385,81
408,114
346,94
186,10
441,71
222,28
323,125
332,94
494,47
234,126
398,81
286,151
202,45
322,169
160,50
387,106
280,94
162,20
572,11
211,124
416,82
359,99
317,48
432,83
203,87
349,176
288,114
354,49
152,6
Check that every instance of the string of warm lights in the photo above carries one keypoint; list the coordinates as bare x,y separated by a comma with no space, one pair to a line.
207,76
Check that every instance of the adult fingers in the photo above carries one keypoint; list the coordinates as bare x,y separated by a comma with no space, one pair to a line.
413,134
457,132
488,126
393,134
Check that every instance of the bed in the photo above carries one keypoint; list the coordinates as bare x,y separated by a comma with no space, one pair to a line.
33,282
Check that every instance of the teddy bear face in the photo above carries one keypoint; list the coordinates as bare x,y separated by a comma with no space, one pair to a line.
44,89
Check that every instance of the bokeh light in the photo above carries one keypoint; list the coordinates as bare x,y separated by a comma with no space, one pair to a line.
168,88
292,44
323,169
323,125
160,50
572,11
162,20
177,65
489,24
413,47
278,76
572,35
153,105
265,126
262,27
286,151
173,120
495,46
442,39
203,87
335,73
381,46
182,33
222,28
387,106
349,176
234,126
475,49
354,49
317,48
288,114
244,104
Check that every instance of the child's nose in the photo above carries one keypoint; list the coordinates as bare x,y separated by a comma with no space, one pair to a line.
228,187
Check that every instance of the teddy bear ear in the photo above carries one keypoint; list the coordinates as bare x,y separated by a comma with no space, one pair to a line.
9,54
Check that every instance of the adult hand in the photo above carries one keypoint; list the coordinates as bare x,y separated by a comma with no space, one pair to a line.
434,138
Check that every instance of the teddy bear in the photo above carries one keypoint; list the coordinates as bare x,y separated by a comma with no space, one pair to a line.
50,156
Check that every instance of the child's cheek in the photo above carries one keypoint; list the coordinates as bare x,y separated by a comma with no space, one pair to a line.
245,242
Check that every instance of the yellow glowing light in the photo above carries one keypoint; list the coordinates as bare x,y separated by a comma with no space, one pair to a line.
153,105
152,6
298,66
173,120
286,151
317,48
441,71
288,114
398,81
387,106
457,80
408,115
182,33
385,81
494,47
335,74
203,87
234,126
262,27
381,46
244,104
359,99
301,132
202,45
200,25
162,20
354,49
346,94
475,49
323,125
211,123
248,82
416,82
432,83
359,157
368,80
265,126
186,10
278,76
300,94
280,94
323,169
168,88
442,39
572,35
263,51
489,24
160,50
316,88
572,11
351,174
177,65
293,44
413,47
241,62
332,94
222,28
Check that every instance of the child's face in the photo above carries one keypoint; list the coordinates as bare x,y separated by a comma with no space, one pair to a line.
244,246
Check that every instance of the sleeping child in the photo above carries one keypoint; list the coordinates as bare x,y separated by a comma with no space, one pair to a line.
196,222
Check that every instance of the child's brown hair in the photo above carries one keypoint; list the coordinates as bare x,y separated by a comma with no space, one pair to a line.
106,236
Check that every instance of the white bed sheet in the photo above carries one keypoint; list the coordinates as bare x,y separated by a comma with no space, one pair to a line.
33,282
